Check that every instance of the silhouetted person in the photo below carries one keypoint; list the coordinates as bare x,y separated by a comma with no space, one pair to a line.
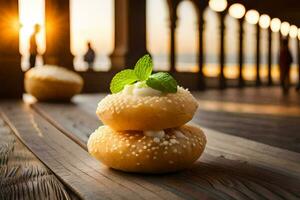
285,61
33,48
90,55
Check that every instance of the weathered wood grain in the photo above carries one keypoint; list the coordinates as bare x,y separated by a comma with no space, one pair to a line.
273,128
261,96
71,163
66,116
22,175
231,167
279,131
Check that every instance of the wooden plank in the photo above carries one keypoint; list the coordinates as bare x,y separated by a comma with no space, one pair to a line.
22,175
221,144
228,161
68,161
279,131
261,96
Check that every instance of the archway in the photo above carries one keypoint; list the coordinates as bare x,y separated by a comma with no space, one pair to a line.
28,19
231,47
186,37
249,51
85,28
158,36
211,45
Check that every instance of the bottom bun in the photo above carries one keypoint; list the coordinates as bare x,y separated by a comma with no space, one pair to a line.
131,151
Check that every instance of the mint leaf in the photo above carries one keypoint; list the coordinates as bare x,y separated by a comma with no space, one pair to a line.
143,67
163,82
121,79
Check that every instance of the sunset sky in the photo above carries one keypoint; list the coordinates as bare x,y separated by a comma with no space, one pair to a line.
93,20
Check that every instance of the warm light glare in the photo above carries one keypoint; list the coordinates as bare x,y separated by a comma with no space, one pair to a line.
293,31
237,10
28,19
299,33
264,21
218,5
252,17
285,28
275,24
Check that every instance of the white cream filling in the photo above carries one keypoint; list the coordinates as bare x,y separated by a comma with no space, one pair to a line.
155,134
179,134
138,89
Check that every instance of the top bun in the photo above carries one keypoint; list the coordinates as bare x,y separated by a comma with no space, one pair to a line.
146,109
52,83
54,73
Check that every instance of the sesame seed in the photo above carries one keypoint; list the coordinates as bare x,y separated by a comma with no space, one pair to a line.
154,157
171,162
173,141
157,140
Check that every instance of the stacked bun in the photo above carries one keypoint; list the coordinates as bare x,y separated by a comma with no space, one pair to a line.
145,131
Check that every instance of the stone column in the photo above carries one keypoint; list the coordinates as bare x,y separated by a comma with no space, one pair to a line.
222,79
130,33
58,40
241,52
257,81
298,56
172,44
270,80
201,23
11,76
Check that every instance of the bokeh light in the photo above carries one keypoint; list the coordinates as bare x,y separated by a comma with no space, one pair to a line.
218,5
285,28
275,25
252,17
293,31
237,10
264,21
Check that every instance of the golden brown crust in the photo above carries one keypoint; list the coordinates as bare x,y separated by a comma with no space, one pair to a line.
50,90
128,112
131,151
45,87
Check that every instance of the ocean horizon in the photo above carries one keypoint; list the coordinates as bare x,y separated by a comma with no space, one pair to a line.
185,63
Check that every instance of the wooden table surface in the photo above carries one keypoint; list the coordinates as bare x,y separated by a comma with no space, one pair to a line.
253,151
